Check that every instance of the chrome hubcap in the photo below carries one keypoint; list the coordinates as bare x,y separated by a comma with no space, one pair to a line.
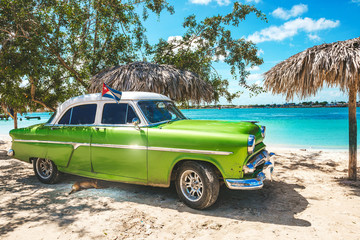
191,185
44,168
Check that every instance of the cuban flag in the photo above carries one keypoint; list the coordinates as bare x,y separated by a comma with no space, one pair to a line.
111,93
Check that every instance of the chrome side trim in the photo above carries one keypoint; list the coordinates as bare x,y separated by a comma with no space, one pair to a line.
76,145
119,146
161,149
190,151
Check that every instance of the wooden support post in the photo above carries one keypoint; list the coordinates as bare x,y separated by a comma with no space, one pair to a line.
15,120
352,133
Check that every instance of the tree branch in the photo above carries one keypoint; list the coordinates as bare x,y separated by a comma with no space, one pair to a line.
32,92
107,38
4,108
57,55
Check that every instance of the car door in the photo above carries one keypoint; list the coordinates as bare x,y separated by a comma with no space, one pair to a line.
117,147
70,138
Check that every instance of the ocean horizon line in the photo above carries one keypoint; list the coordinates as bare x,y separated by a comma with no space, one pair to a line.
316,128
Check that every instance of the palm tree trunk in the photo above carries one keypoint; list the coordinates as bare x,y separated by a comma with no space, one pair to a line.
352,133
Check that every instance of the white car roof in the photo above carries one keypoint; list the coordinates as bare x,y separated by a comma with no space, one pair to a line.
95,97
125,96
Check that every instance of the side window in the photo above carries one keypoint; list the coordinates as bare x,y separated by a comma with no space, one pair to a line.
117,113
131,114
66,117
83,114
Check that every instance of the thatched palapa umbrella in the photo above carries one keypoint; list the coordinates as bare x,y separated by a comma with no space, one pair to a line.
179,85
335,64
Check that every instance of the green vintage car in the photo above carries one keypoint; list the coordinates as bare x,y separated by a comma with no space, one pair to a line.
145,139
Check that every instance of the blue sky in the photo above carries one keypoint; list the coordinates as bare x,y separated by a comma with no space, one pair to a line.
292,27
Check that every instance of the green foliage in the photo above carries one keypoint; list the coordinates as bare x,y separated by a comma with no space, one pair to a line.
324,103
10,92
49,49
56,46
33,77
209,41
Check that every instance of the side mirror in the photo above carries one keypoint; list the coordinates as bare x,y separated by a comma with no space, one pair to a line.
136,123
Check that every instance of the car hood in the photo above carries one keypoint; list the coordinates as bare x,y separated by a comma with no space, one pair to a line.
214,126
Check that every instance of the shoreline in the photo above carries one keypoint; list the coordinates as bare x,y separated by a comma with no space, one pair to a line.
257,107
313,128
306,148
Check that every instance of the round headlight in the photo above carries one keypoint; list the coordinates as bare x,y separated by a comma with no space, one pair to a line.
11,153
251,144
263,129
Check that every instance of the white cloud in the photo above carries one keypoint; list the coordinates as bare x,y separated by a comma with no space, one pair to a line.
295,11
314,37
291,28
206,2
255,77
201,2
223,2
220,58
174,38
254,1
260,52
253,69
356,1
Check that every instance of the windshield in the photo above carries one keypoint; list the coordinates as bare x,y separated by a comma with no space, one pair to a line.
51,117
160,111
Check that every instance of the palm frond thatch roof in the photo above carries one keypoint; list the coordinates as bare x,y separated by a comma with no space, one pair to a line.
335,64
179,85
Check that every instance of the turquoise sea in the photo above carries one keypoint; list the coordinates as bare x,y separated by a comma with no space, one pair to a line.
285,127
291,127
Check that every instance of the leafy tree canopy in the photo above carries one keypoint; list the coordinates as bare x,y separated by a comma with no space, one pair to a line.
50,48
56,46
209,41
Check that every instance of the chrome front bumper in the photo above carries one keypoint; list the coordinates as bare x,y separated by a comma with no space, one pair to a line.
254,183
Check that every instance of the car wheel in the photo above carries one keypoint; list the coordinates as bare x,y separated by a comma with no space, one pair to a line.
197,185
45,170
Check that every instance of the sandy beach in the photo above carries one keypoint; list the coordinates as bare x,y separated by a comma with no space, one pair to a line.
309,198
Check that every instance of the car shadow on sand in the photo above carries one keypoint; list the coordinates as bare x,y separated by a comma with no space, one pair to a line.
24,200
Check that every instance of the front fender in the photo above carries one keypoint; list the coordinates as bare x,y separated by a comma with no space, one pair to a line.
186,157
161,165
